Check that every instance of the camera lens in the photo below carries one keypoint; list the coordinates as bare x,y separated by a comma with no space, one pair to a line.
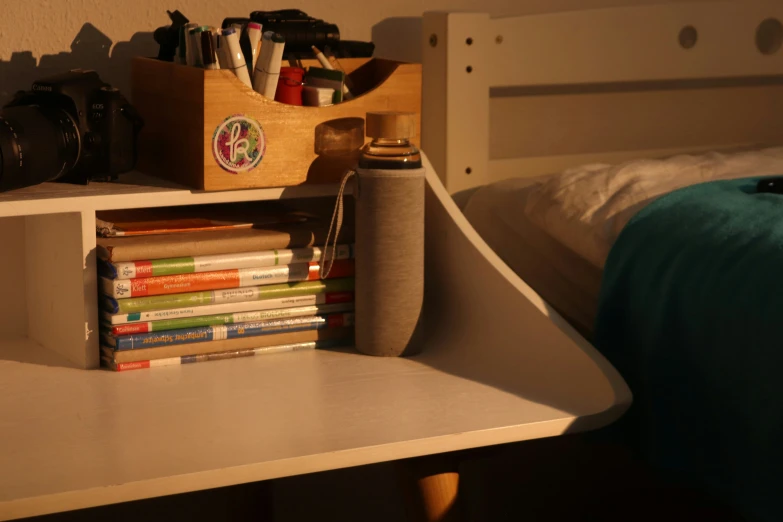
37,144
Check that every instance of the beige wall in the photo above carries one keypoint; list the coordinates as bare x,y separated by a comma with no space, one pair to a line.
39,37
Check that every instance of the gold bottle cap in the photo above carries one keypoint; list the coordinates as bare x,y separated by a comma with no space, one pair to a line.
391,125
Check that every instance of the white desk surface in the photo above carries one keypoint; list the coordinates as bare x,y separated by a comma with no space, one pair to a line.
74,438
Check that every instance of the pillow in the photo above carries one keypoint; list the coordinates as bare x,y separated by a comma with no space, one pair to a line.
585,208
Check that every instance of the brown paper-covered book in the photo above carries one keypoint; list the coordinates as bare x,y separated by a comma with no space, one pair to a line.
195,218
227,345
297,235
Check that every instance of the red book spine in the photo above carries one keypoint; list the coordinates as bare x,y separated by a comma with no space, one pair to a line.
140,365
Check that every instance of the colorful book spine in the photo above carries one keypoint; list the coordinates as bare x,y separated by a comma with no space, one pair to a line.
227,345
198,264
234,295
241,317
109,362
231,331
222,279
229,308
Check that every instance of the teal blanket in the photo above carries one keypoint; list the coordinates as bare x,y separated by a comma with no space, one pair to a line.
691,314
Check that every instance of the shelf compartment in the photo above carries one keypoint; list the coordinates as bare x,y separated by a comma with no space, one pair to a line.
47,314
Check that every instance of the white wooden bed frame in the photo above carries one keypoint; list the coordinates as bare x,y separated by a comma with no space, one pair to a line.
552,91
499,365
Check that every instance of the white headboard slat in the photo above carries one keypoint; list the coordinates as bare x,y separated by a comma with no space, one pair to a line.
455,117
639,43
601,84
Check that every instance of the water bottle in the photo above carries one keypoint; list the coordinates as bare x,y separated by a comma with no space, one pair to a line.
389,192
389,237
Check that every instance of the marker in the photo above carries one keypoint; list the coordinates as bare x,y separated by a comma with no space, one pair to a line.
267,70
189,59
326,64
208,51
182,47
195,38
215,32
254,36
221,48
236,59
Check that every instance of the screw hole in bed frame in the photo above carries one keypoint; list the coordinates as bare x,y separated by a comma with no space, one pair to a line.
468,170
469,68
469,41
769,36
688,37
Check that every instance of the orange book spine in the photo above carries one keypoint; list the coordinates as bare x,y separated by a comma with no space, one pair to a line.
222,279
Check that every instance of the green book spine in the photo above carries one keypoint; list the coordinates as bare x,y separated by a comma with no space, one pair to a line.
231,295
218,319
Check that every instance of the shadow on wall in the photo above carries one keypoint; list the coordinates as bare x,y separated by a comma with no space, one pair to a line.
90,49
398,38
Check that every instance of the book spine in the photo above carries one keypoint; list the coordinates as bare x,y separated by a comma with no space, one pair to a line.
233,295
198,264
229,308
222,279
218,319
285,236
189,359
231,331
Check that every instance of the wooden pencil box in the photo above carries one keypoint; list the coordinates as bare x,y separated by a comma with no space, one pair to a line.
207,130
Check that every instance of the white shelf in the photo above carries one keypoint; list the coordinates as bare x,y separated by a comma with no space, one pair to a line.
498,366
47,254
136,190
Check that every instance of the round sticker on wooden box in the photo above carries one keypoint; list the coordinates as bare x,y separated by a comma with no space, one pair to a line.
239,144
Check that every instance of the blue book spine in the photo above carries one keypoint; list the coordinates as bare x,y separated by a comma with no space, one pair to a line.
107,269
229,331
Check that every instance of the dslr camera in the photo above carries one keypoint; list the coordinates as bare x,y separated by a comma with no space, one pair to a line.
71,127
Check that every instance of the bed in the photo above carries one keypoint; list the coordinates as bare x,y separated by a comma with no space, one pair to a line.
556,231
585,147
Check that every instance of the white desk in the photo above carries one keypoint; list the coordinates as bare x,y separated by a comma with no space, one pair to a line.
498,367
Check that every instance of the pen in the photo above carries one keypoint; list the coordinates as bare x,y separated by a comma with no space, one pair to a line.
236,59
267,70
326,64
207,51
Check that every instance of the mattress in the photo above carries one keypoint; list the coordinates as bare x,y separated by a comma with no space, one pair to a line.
556,231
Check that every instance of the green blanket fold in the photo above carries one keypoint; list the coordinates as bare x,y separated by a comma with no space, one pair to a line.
691,314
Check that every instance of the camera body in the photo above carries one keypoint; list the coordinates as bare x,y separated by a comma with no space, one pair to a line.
300,30
71,127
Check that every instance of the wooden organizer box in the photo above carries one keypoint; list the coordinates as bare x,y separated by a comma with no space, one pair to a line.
186,108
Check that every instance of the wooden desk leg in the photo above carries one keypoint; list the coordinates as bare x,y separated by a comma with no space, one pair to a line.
431,486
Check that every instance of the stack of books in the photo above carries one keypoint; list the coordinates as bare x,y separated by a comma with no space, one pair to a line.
176,293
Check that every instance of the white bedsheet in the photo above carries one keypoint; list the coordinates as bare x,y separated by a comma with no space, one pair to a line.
556,231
